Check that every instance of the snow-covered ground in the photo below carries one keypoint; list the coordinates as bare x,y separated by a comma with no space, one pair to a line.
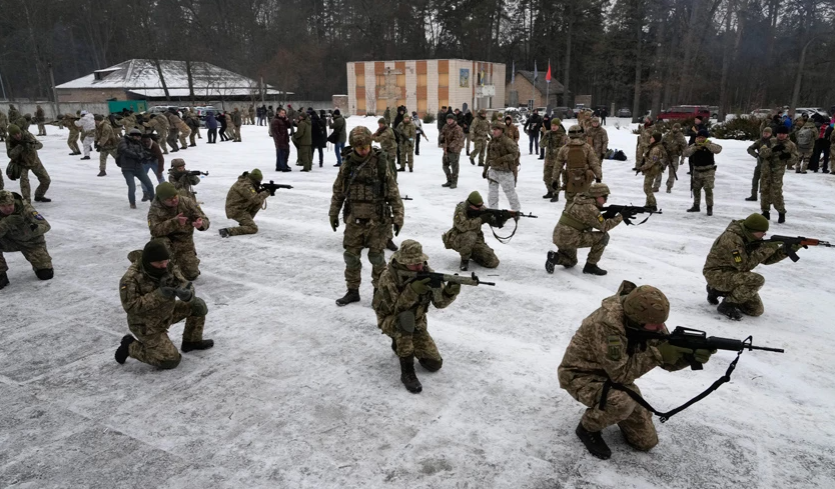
299,393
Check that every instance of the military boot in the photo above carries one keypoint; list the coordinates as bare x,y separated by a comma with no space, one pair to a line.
710,210
102,174
695,208
224,232
42,199
353,295
556,197
4,280
713,295
124,347
781,218
391,246
752,198
465,265
394,345
408,376
594,443
551,261
145,197
549,195
593,269
767,215
730,310
187,346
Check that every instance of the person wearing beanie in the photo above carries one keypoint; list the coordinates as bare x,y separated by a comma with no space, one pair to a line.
87,125
172,219
303,139
554,139
155,295
754,151
703,163
130,157
501,168
480,134
598,138
728,267
674,144
339,136
777,155
655,161
384,136
22,228
466,236
452,142
243,201
106,143
22,148
182,180
408,133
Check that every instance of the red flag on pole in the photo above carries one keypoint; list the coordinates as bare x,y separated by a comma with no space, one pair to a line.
548,75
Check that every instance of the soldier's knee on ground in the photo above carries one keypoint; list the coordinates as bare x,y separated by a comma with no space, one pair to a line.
352,260
644,441
169,364
431,364
377,258
752,308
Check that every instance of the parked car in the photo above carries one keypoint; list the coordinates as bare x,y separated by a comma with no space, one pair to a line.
159,109
684,112
761,113
811,112
624,112
714,111
563,113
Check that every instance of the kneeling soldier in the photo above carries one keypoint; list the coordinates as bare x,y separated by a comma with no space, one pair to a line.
466,237
173,218
243,202
609,349
150,290
22,229
401,303
182,181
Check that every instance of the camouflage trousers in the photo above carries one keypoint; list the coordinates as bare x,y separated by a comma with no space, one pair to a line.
163,140
649,182
3,132
192,137
43,182
364,234
450,165
184,256
672,168
568,240
507,181
173,134
407,151
246,223
739,288
771,187
479,151
305,155
184,134
548,175
634,421
640,149
41,129
154,347
471,246
103,157
35,253
755,182
238,133
803,158
418,343
703,180
72,142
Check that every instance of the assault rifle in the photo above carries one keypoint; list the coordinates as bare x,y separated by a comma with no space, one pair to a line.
693,339
406,197
788,242
272,187
194,173
628,212
436,280
502,215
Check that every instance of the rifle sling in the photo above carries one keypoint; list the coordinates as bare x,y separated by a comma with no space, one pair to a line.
505,239
663,417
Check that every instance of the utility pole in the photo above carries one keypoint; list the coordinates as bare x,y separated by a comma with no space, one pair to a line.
56,107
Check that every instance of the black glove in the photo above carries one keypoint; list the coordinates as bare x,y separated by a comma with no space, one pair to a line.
597,180
609,214
97,147
396,229
785,156
779,147
186,293
167,292
637,172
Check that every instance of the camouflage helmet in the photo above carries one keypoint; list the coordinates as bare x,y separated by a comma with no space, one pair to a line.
656,136
28,117
595,119
178,162
646,305
410,253
6,197
676,127
360,136
598,190
407,117
575,131
482,112
382,120
498,125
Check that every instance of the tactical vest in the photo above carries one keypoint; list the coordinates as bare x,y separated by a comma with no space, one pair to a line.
576,170
366,189
702,160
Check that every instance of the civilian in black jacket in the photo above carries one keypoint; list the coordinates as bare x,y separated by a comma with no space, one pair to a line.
319,134
532,127
129,156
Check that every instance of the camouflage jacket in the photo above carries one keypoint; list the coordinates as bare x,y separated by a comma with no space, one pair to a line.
736,250
359,188
810,127
174,121
385,136
452,138
148,311
106,137
708,144
25,151
582,215
600,349
592,163
598,138
553,141
40,117
778,158
754,149
244,197
480,129
463,223
502,154
394,296
645,134
512,132
674,142
4,121
183,182
128,122
68,121
408,132
33,228
158,124
14,114
163,222
655,160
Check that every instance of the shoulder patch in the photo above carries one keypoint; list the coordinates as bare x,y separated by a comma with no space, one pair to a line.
37,215
600,218
737,256
613,347
252,190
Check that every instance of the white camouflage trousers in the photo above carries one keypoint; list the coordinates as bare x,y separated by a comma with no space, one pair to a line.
88,145
508,183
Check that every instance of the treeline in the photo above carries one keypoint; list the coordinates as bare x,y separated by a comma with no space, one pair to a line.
642,54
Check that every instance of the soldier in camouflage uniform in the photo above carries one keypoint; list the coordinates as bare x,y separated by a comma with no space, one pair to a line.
385,138
22,229
655,160
480,132
728,267
182,181
177,129
577,164
554,139
243,201
68,121
754,151
452,141
155,295
609,348
14,115
408,132
674,143
401,304
777,155
303,138
4,126
805,136
703,162
501,168
22,147
368,190
598,138
106,143
159,124
583,226
644,134
40,119
173,218
466,237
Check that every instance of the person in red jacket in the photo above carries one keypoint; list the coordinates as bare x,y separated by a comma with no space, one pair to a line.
280,129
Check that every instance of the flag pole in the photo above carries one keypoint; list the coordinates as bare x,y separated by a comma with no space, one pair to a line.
548,86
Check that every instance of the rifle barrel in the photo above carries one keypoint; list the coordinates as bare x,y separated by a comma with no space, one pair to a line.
764,348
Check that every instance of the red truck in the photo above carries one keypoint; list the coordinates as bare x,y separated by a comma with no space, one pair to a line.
685,112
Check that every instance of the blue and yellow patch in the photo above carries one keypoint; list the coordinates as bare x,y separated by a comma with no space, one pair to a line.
37,215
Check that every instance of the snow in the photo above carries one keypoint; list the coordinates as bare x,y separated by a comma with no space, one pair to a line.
300,393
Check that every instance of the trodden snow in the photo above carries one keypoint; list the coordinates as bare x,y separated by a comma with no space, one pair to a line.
300,393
